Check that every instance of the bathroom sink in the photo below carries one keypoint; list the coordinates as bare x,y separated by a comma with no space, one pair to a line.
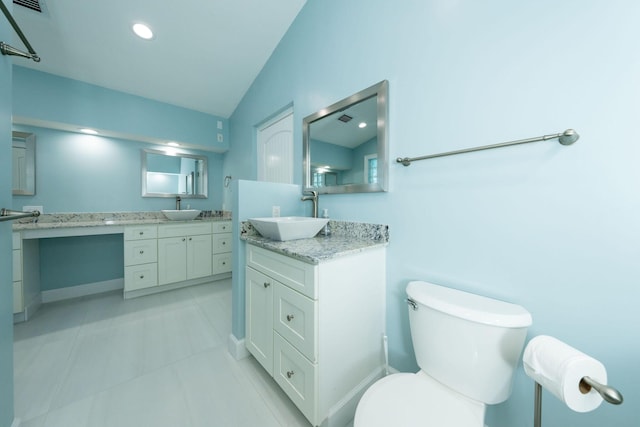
181,215
288,227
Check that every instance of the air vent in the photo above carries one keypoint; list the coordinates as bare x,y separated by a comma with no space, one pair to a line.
36,5
345,118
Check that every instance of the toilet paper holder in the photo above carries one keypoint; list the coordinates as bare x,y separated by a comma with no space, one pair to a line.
608,393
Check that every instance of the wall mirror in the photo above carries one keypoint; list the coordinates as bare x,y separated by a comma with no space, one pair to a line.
171,175
23,150
345,146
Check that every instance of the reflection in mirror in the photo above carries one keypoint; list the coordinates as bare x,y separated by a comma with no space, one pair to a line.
171,175
23,149
345,144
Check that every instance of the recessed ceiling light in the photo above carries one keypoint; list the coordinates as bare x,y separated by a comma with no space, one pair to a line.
89,131
142,31
362,125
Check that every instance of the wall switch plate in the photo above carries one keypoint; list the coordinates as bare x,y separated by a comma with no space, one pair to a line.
219,124
275,211
220,137
33,208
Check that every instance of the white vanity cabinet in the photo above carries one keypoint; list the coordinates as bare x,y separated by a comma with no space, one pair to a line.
222,246
18,298
184,252
140,257
317,328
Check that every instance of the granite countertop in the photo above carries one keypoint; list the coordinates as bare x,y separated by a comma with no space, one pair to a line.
346,238
101,219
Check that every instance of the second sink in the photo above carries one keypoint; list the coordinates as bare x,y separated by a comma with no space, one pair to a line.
288,227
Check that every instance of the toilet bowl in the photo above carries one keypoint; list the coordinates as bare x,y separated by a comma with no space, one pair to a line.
467,347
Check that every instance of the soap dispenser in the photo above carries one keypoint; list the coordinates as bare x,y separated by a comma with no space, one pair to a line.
325,231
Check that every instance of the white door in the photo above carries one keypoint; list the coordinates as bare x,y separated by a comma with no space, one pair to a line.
275,150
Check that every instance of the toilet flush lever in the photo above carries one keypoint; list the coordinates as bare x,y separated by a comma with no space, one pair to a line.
412,304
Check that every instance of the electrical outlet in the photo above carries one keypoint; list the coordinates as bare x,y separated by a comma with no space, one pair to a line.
275,211
220,138
33,208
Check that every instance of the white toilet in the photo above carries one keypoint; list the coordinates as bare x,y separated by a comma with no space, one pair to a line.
467,347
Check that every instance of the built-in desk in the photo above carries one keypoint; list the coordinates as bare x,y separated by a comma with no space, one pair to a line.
27,236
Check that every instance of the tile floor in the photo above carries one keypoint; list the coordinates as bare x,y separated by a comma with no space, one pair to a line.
159,360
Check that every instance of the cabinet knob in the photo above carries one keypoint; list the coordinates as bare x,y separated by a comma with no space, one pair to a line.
290,374
141,233
224,243
142,276
141,252
183,239
289,317
224,263
190,238
266,284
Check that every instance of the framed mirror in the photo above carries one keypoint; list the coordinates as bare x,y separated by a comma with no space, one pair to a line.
345,146
171,175
23,150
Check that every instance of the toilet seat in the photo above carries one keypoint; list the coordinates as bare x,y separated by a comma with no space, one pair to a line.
406,400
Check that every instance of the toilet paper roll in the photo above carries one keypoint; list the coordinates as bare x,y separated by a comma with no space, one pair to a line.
559,368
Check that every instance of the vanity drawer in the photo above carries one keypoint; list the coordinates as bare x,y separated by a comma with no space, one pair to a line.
296,274
221,263
222,243
140,252
296,376
221,227
295,317
140,276
189,229
140,232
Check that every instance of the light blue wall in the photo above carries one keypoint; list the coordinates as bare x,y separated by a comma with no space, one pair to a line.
43,96
552,228
6,275
253,199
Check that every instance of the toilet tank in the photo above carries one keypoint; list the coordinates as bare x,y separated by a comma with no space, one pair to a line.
468,342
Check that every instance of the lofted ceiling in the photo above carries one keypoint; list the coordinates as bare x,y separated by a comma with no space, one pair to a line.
204,54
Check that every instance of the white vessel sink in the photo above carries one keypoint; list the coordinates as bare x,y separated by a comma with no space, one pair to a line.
181,215
288,227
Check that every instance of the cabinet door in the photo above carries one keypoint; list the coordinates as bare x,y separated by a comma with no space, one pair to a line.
259,317
172,260
199,256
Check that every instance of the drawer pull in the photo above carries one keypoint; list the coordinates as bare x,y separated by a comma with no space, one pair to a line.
141,233
290,374
142,276
141,252
224,243
289,317
224,263
183,239
266,284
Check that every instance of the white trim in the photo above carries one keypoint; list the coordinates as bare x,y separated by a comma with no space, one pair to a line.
344,410
236,347
172,286
16,422
82,290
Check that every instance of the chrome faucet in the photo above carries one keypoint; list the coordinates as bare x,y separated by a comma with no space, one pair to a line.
314,198
178,200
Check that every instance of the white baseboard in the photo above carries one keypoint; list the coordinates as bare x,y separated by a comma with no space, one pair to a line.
16,422
237,348
82,290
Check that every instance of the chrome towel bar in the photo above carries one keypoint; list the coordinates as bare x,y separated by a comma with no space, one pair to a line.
567,137
10,215
10,50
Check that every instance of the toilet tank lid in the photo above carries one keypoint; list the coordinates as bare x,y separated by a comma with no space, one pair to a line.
472,307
